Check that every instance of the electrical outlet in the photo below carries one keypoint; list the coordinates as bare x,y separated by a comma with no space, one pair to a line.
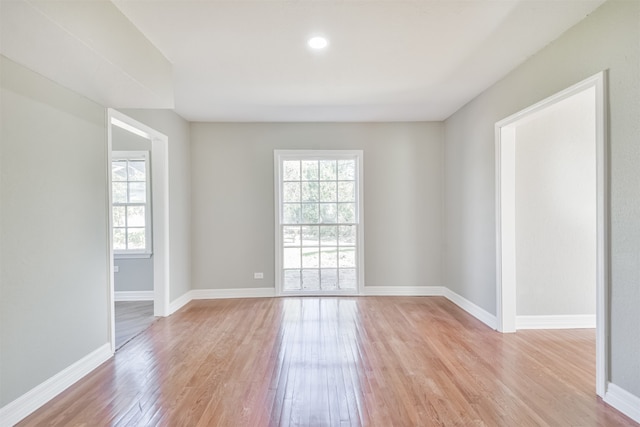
258,276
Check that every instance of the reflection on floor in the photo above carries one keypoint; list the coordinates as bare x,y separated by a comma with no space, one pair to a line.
337,361
132,317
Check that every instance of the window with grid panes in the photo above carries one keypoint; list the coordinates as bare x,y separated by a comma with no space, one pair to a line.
319,222
131,207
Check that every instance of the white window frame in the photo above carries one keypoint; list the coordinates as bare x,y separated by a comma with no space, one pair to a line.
148,251
279,157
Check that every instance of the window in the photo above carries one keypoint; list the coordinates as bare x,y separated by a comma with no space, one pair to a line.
319,231
131,204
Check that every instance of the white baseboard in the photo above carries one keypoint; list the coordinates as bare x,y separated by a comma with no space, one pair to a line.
474,310
577,321
195,294
409,291
466,305
233,293
623,401
133,295
180,302
23,406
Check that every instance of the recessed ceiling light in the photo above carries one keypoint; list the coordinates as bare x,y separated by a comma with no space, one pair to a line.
318,42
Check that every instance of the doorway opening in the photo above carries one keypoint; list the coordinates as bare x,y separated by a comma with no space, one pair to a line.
509,132
138,225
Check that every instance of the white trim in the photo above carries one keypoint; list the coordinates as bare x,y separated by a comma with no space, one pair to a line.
26,404
575,321
410,291
133,295
132,256
505,234
180,302
360,208
623,401
233,293
602,247
277,178
160,213
132,155
505,241
110,261
160,224
476,311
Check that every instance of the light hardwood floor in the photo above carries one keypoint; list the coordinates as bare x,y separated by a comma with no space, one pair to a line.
132,317
379,361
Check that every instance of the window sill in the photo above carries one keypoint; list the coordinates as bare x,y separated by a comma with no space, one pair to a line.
131,256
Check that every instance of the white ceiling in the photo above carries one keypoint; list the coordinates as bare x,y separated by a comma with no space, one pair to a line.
239,60
387,60
88,46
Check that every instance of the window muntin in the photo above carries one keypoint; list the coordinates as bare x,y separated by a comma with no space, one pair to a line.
319,222
131,207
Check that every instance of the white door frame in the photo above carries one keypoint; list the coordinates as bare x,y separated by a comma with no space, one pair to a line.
505,217
159,208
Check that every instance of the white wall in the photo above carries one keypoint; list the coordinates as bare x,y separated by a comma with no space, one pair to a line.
134,274
53,230
608,39
233,199
177,130
555,208
90,47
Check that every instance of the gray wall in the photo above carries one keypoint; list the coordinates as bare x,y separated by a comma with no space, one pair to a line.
233,199
134,274
178,132
555,209
609,39
53,229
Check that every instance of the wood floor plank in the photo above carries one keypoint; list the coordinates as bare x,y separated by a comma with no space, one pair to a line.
359,361
132,317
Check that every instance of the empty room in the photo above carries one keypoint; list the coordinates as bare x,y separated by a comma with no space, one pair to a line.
320,213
